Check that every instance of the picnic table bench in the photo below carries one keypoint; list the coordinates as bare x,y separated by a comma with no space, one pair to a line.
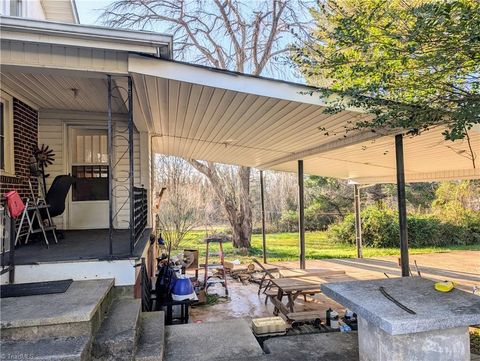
292,287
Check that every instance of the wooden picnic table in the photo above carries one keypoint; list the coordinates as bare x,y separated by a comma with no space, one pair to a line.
292,287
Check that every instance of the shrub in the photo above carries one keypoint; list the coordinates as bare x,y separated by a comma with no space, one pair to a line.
288,222
380,229
343,232
316,219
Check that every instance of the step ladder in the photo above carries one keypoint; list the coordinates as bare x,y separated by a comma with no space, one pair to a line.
221,276
33,221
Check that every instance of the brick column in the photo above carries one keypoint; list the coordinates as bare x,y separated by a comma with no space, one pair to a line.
25,139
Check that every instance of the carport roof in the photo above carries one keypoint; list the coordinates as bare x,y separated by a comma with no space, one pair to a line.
210,114
221,116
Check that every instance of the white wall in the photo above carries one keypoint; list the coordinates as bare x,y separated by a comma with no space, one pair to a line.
121,270
52,131
30,9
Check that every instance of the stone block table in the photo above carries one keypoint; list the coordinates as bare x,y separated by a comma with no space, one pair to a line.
437,331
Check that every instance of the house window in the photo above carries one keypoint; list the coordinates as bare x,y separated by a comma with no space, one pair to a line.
6,134
90,165
16,8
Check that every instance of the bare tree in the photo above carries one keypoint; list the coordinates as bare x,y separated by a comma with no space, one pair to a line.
180,210
251,37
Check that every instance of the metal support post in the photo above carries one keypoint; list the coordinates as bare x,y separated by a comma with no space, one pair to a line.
110,166
11,252
301,213
402,207
358,221
264,237
130,163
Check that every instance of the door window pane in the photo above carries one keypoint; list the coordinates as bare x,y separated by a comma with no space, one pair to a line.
80,158
90,147
91,183
103,149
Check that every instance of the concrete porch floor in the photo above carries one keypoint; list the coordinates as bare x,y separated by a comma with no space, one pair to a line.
462,267
80,245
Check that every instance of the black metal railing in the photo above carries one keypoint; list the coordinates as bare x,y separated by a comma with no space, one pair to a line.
140,212
7,243
146,287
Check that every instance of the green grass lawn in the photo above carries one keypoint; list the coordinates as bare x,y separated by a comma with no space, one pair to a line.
284,247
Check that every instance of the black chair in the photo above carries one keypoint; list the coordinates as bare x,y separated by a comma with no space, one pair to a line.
57,194
56,197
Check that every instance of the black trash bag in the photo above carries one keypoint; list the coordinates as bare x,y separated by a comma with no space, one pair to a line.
164,284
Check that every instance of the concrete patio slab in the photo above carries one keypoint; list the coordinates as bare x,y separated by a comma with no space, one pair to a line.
462,267
211,341
334,346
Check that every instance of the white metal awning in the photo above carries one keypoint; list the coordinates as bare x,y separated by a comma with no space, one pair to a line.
226,117
210,114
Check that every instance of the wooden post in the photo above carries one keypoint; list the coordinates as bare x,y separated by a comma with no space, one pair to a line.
402,207
264,237
301,214
358,221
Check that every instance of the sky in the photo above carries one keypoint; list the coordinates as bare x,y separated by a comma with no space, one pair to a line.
90,10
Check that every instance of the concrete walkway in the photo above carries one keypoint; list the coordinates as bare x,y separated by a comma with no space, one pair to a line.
462,267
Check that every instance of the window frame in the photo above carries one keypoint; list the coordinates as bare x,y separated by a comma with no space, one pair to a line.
9,158
16,8
86,131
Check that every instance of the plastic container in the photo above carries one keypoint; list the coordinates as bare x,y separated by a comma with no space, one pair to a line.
269,326
183,290
334,320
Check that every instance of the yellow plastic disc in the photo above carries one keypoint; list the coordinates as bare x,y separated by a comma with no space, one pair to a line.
445,286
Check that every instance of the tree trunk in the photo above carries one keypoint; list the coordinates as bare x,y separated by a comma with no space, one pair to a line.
237,206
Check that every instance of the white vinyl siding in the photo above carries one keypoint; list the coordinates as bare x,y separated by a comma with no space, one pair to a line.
52,132
21,53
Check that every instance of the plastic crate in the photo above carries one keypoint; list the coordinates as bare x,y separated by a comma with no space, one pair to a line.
269,326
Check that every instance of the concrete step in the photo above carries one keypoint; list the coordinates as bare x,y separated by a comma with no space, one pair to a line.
117,337
52,349
151,341
228,340
77,312
331,346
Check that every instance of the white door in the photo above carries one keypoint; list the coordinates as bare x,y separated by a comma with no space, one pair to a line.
88,208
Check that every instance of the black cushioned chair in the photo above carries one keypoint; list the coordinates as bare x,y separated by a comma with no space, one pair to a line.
56,197
57,194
